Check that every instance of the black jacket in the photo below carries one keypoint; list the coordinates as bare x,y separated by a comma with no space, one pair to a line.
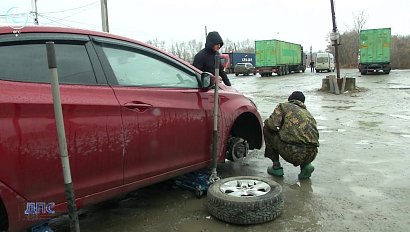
205,59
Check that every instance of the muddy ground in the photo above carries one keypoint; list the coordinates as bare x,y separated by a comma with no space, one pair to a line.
362,176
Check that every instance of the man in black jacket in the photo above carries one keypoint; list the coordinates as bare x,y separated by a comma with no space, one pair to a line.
205,59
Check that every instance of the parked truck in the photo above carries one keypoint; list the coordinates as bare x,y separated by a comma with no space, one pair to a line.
375,51
238,57
280,57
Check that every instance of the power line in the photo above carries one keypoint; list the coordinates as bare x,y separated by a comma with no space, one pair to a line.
53,21
57,20
68,15
66,20
53,12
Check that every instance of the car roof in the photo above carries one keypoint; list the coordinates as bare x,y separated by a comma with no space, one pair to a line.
65,30
46,29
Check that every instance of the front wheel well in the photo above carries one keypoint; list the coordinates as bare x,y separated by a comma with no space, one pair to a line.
4,223
248,127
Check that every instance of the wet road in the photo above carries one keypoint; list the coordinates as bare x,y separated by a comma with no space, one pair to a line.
361,180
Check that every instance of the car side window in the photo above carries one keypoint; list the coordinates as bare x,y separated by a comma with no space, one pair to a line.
132,68
28,63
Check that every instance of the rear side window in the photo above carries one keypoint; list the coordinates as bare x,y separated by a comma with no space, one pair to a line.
28,63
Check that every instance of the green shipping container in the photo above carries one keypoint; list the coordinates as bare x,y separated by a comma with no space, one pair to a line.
375,46
276,52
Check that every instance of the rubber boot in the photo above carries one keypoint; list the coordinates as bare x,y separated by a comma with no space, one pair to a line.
306,171
275,171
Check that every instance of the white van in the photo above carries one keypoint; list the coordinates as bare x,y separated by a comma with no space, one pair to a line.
324,61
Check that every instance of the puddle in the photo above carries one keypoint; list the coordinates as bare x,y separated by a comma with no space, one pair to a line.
373,113
338,107
407,117
365,192
352,161
369,124
321,118
363,142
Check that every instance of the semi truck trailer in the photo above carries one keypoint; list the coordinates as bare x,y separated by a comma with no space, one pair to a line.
375,51
280,57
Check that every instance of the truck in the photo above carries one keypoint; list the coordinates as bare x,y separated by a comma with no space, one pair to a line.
324,62
280,57
375,51
238,57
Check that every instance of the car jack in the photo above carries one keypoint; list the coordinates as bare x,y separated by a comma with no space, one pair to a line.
41,228
197,181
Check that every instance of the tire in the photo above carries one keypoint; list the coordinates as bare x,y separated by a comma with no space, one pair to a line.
236,74
263,202
4,224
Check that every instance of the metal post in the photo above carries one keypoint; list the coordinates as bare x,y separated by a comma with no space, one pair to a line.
104,15
35,13
335,42
65,162
214,176
206,32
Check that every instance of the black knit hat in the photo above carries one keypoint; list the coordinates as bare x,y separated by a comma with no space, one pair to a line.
297,95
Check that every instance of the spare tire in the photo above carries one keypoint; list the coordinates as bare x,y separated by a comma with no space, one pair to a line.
245,200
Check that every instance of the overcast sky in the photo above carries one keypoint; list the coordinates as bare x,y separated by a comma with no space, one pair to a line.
305,22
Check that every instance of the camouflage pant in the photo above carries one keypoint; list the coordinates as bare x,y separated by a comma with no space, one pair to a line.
296,155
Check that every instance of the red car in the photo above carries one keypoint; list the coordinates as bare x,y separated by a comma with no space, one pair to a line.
133,115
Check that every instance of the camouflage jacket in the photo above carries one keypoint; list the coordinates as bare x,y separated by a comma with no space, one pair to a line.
295,124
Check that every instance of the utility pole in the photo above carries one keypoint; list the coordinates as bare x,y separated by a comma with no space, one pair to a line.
334,37
35,12
104,16
206,32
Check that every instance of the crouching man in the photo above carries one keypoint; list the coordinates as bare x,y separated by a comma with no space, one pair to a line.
291,132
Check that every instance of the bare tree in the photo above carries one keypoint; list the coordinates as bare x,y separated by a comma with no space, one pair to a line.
156,43
359,22
229,46
348,49
350,42
193,48
400,51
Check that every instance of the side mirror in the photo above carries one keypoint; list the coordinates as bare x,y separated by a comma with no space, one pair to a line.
206,80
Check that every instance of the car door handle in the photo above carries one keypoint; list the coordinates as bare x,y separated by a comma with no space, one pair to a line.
137,106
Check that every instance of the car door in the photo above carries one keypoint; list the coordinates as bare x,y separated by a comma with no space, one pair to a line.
28,135
166,116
